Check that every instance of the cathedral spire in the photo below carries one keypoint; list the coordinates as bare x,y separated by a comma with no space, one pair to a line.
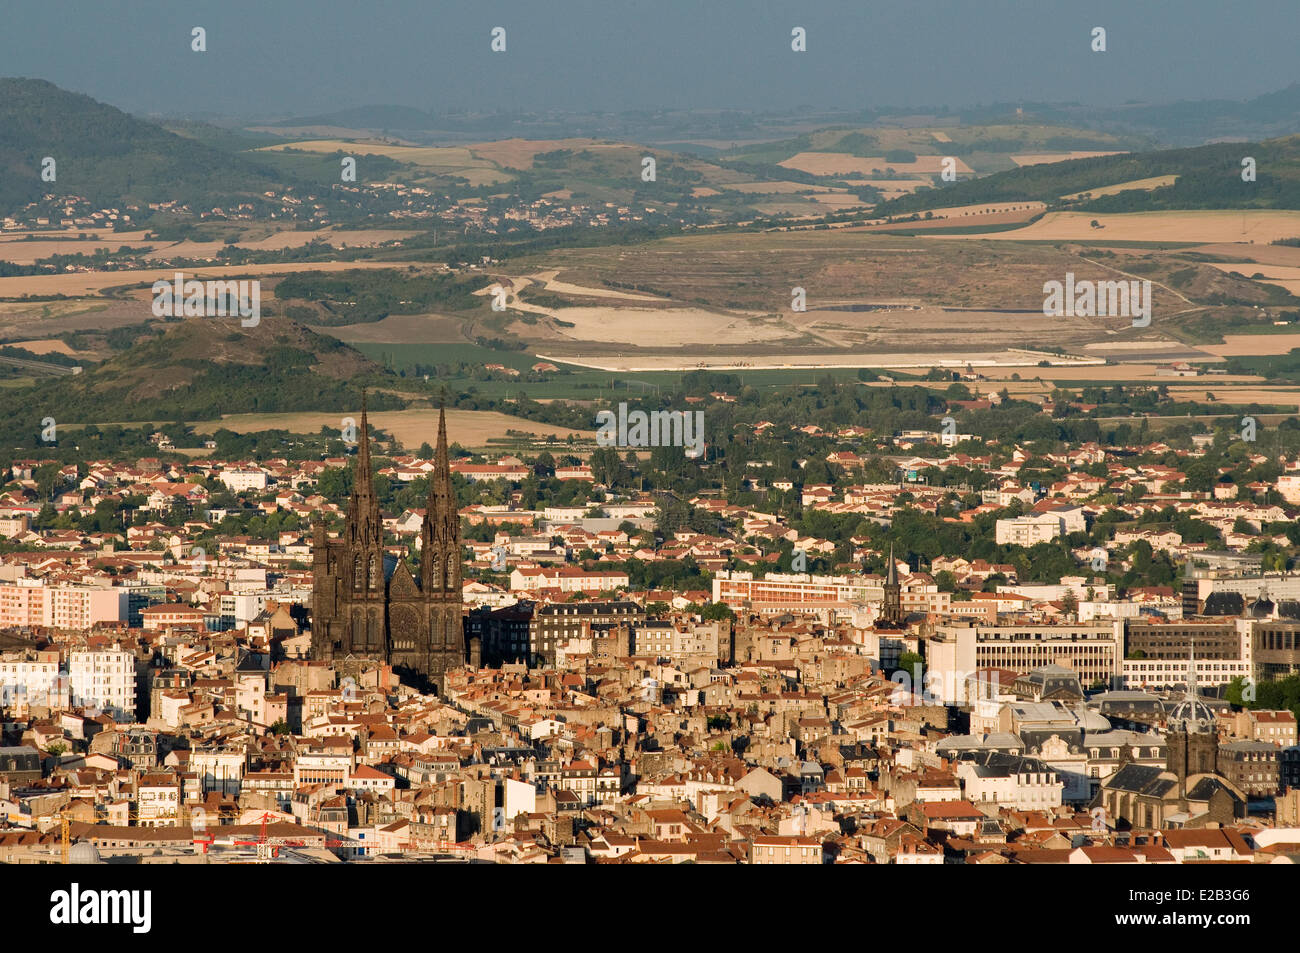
364,481
363,510
891,576
440,496
440,534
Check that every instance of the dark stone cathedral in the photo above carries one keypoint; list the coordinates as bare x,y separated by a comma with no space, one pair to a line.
366,604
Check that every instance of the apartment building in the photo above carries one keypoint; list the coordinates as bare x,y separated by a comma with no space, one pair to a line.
31,602
831,596
31,678
1156,653
218,768
793,849
554,625
680,642
1028,530
103,678
1093,650
247,478
158,800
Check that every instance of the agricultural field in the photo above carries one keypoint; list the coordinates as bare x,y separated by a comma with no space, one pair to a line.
1046,158
474,429
520,153
1141,185
1241,345
82,284
28,252
457,161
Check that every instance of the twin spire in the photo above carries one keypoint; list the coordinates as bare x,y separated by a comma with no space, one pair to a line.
364,520
366,504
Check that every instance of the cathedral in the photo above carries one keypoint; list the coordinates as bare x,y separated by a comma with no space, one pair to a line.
366,603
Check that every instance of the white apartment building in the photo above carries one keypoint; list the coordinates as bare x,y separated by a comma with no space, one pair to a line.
243,607
323,767
1033,786
1028,530
158,801
103,678
1155,674
31,678
249,478
219,769
1288,486
956,651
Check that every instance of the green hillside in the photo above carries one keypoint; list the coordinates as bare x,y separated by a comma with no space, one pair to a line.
107,156
201,368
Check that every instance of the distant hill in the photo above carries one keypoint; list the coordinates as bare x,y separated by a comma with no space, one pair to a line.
201,368
108,156
368,117
985,146
1270,115
1209,177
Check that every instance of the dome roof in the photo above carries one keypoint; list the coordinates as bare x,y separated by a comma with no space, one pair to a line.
1192,716
83,852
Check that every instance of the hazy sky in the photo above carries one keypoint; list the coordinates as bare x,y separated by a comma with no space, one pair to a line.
271,58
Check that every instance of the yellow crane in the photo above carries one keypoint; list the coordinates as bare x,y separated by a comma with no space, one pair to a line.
65,842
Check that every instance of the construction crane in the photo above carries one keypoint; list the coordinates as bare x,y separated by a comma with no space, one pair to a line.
65,831
265,851
65,839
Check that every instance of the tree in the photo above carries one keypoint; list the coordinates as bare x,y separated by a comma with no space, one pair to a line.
716,611
912,664
47,478
606,467
1070,603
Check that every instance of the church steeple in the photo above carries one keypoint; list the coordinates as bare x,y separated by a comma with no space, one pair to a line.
891,611
364,481
440,534
364,523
